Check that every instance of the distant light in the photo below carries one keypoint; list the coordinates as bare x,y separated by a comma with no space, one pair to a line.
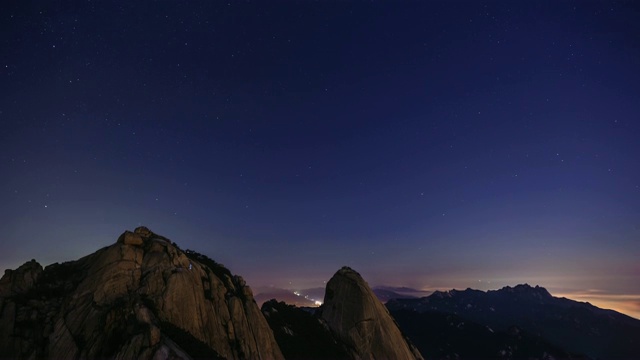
318,302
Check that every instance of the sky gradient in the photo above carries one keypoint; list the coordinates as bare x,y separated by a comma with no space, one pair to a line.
432,144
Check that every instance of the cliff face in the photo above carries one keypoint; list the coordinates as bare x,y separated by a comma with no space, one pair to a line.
358,318
141,297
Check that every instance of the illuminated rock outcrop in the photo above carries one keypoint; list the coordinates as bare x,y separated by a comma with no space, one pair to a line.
142,297
357,318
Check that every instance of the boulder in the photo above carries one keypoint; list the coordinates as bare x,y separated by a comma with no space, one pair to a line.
129,238
21,280
143,231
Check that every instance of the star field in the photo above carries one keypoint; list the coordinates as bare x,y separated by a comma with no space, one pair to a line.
431,145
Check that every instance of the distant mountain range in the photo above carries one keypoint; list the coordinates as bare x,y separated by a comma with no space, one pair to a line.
311,297
508,320
386,293
285,295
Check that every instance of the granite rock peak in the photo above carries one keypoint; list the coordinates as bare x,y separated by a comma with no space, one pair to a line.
142,297
356,317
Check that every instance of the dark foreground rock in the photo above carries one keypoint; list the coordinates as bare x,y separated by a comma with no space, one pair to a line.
447,336
572,327
301,334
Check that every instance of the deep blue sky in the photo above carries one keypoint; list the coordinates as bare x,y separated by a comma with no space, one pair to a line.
431,144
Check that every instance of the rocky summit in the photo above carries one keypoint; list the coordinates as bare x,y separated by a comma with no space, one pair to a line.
355,315
142,297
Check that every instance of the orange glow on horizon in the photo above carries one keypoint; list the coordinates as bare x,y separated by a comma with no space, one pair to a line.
628,304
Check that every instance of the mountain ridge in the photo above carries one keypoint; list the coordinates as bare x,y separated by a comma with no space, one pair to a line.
141,297
578,327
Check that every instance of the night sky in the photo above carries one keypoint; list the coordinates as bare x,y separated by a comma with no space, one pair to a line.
431,145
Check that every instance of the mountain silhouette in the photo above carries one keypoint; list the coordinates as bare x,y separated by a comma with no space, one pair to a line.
575,327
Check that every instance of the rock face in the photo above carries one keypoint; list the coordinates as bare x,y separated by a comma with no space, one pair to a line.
142,297
358,318
20,280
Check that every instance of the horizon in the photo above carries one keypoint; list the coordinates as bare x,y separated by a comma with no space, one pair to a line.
430,144
627,304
